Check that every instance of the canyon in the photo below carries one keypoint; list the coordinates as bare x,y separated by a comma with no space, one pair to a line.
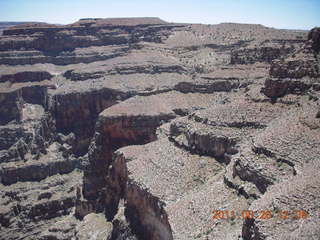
139,129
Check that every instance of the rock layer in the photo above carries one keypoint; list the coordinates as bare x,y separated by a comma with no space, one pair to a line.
140,129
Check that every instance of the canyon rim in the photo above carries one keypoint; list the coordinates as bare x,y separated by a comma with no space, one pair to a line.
140,129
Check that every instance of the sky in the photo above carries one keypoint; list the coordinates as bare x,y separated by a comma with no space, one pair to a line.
289,14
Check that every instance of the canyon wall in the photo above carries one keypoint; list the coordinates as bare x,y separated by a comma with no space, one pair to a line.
140,129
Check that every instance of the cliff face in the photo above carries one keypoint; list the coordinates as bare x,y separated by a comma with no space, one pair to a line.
297,73
6,25
139,129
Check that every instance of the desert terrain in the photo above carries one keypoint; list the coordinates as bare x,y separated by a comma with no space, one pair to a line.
140,129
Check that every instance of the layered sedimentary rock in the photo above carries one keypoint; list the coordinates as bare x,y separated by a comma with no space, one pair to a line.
298,73
296,222
140,129
6,25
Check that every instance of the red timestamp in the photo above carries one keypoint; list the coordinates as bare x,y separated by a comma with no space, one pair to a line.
263,214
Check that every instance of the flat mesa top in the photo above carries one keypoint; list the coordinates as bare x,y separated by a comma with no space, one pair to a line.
122,21
98,22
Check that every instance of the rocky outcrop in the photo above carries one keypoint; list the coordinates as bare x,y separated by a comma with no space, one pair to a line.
35,170
25,77
199,139
12,111
273,157
314,39
133,121
146,214
297,73
34,134
29,156
77,56
279,88
121,228
112,132
259,54
15,99
77,113
37,40
287,220
127,123
6,25
210,86
38,207
145,69
102,229
296,68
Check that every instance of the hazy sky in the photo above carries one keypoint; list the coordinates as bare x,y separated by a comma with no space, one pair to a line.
294,14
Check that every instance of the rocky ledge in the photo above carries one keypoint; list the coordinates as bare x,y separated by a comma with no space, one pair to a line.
136,128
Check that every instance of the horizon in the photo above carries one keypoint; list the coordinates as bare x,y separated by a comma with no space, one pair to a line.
295,14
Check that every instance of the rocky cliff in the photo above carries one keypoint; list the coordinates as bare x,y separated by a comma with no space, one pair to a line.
6,25
136,128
